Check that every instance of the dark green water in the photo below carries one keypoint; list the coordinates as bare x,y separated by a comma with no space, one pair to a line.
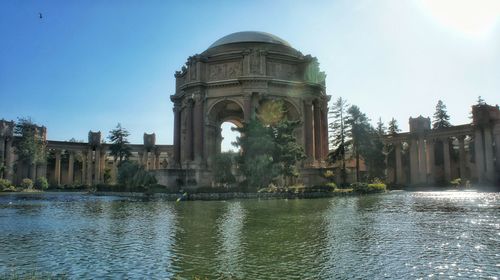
396,235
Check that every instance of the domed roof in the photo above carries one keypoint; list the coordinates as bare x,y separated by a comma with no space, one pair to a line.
250,36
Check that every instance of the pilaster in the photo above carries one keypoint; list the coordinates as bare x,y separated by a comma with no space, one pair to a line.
57,170
446,156
414,161
422,160
308,131
399,165
71,164
461,157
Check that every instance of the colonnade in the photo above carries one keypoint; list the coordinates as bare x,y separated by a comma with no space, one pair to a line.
315,124
422,162
476,145
191,128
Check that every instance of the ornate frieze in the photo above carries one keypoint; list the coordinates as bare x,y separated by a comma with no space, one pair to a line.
283,71
225,71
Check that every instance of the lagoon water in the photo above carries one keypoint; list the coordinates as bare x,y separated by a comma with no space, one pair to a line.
395,235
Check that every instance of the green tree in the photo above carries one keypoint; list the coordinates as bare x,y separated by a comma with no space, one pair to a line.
255,161
380,130
30,144
287,152
441,118
223,165
269,149
375,152
359,135
338,136
393,128
480,101
132,175
119,147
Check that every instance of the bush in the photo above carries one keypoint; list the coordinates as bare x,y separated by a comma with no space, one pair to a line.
4,183
131,175
456,182
6,186
27,183
41,183
368,188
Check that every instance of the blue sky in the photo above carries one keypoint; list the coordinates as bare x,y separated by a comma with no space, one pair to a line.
87,65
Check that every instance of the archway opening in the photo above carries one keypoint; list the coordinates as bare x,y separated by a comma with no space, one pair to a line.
229,136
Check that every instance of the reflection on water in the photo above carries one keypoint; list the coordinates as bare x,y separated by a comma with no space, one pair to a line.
396,235
231,248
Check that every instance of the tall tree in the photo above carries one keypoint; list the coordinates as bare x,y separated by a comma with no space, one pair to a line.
30,146
359,135
338,135
269,148
257,146
375,154
393,128
480,101
119,147
287,151
441,117
380,128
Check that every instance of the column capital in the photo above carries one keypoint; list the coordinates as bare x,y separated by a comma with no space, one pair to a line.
308,102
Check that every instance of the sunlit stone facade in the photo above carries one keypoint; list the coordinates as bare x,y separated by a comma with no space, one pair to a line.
232,81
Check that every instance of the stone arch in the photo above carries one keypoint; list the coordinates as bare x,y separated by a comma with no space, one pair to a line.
224,110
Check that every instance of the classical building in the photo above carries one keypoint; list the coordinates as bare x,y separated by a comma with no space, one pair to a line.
425,156
237,77
75,163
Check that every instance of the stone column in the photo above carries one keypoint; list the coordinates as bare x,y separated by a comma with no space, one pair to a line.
57,170
308,131
84,168
2,154
414,162
488,155
317,131
8,159
496,135
479,154
462,159
97,166
446,156
189,131
89,166
152,160
324,125
145,159
431,163
177,135
198,128
157,160
102,165
422,160
399,165
71,164
247,104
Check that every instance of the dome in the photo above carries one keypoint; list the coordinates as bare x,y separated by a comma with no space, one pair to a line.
250,36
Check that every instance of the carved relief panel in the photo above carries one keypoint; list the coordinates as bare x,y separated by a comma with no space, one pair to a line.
225,71
282,71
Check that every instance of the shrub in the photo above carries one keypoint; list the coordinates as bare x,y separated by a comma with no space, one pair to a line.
131,175
27,183
456,182
368,188
4,183
6,186
41,183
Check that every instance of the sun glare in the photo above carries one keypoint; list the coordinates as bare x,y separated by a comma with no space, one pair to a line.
472,18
